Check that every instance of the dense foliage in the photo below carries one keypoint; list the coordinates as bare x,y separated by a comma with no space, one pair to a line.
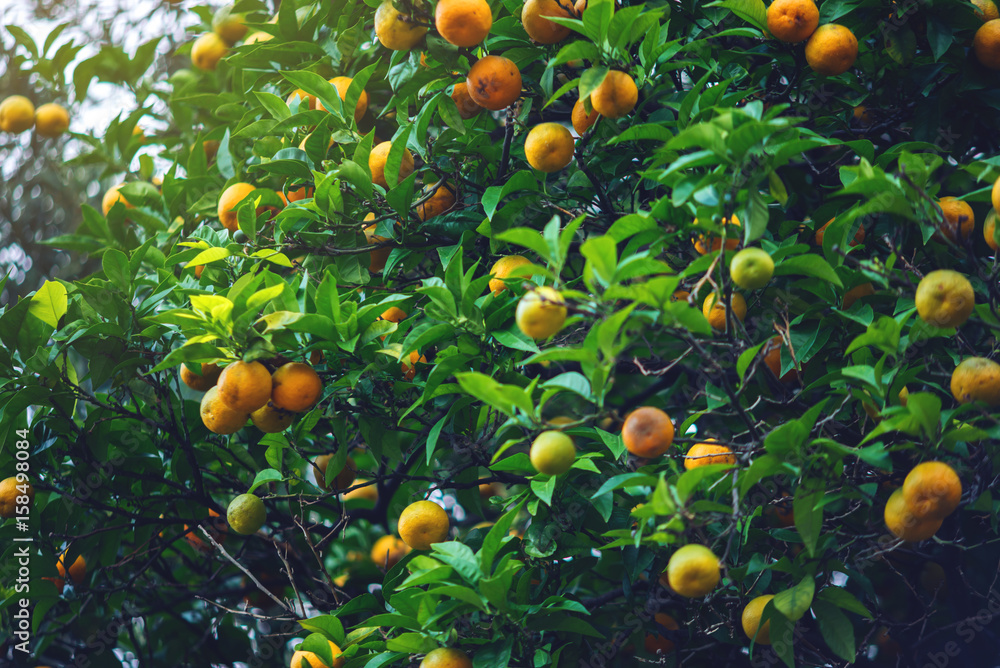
731,125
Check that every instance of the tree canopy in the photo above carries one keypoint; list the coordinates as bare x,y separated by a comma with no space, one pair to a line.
469,333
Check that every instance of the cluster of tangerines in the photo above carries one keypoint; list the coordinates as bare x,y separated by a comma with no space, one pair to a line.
831,49
248,391
18,114
227,30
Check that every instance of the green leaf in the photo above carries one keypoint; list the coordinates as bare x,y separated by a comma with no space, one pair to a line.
925,407
836,630
808,265
884,334
497,536
809,517
116,268
505,398
844,599
745,358
460,557
625,480
591,79
602,257
328,625
751,11
273,104
49,303
264,477
544,487
794,602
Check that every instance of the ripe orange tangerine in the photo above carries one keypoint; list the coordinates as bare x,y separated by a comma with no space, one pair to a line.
494,82
647,432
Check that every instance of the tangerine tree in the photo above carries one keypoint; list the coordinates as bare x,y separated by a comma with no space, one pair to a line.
509,334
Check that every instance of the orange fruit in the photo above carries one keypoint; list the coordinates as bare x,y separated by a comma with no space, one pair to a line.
932,490
792,20
703,454
959,220
17,114
502,269
311,659
112,197
988,229
217,416
209,375
616,96
446,657
376,163
781,512
463,22
986,10
256,37
535,17
467,107
228,200
271,420
216,527
9,493
859,236
693,571
208,50
986,45
976,379
772,358
714,242
296,195
342,84
211,148
582,121
51,120
367,493
944,298
494,82
295,387
306,101
378,256
423,523
831,50
716,311
76,571
995,195
902,523
388,551
410,370
647,432
230,27
394,314
442,199
245,386
656,642
856,293
549,147
395,30
751,620
344,479
863,115
541,312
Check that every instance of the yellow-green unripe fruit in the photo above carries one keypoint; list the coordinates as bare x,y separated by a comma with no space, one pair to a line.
246,514
552,452
751,268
